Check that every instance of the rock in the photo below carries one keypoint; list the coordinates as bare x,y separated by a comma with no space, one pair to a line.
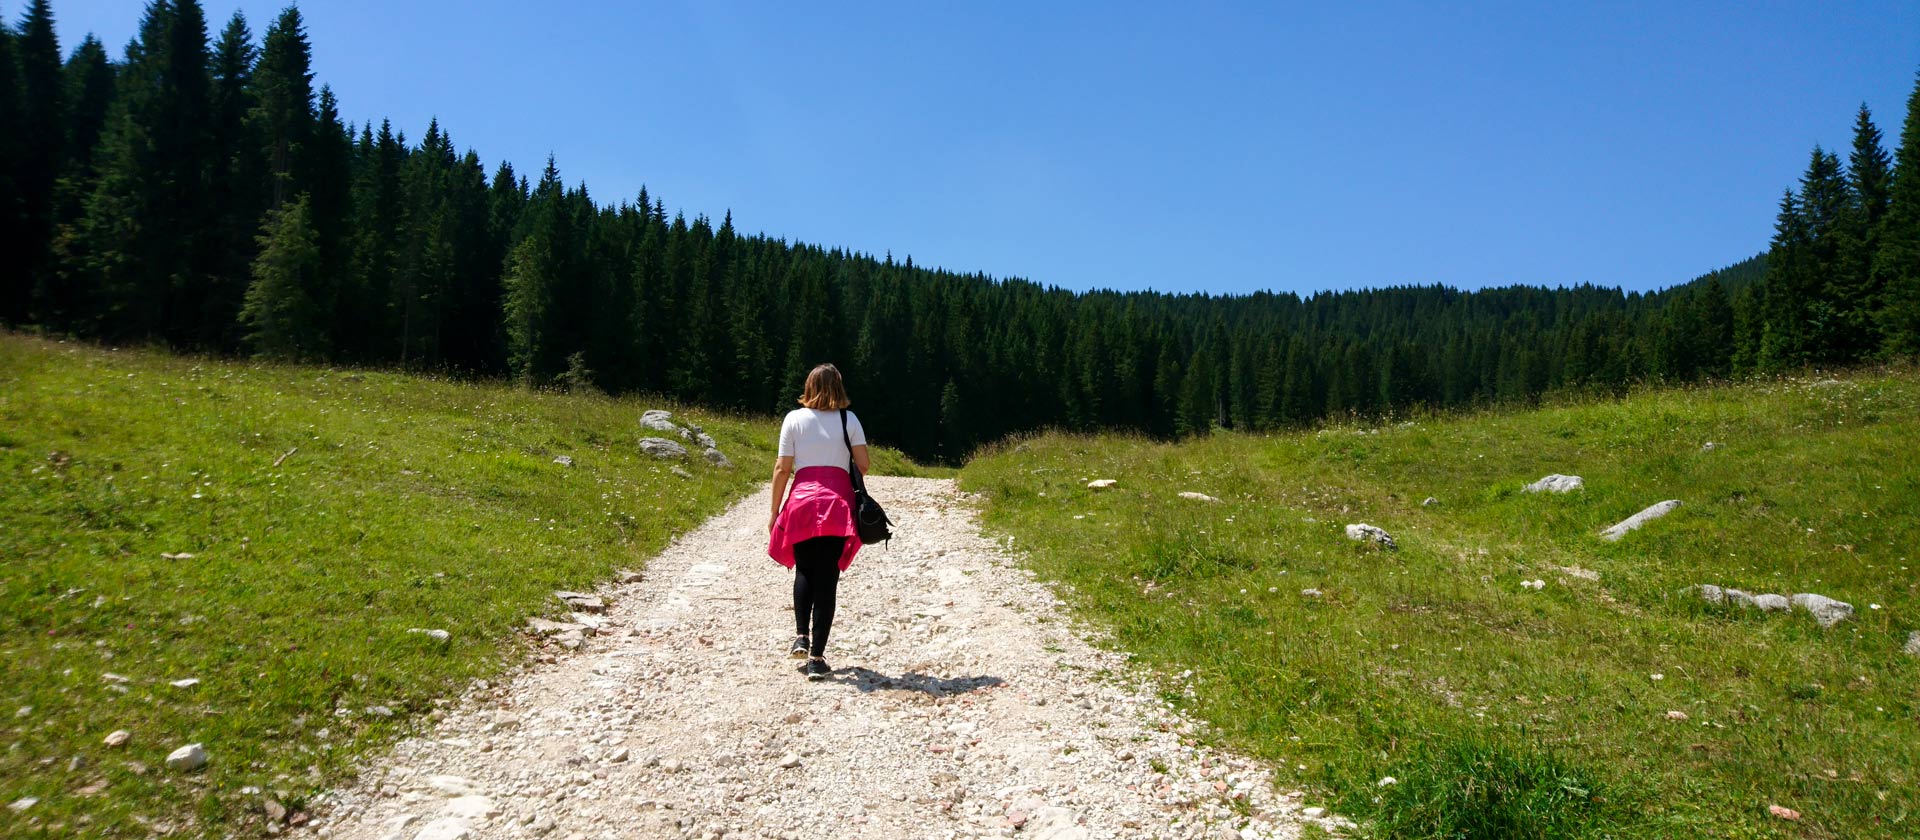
1429,502
115,678
564,460
1313,813
1708,593
659,421
117,738
276,812
23,803
1535,585
1199,497
1674,715
672,765
1385,781
618,755
1768,603
1709,446
451,785
1787,814
471,807
1053,823
632,577
789,761
189,682
445,828
1633,523
187,758
582,602
1825,610
544,627
717,459
1740,599
662,448
705,440
1913,644
1311,593
435,634
1556,483
1101,483
1362,532
380,711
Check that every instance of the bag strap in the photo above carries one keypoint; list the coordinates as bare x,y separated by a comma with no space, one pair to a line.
853,469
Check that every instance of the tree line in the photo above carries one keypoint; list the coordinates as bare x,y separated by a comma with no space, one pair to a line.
202,193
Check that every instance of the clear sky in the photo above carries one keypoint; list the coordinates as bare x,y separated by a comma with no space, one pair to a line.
1176,146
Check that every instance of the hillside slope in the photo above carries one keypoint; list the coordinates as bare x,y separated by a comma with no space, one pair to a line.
1606,702
275,532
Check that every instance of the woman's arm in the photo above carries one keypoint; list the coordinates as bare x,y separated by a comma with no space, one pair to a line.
860,458
782,473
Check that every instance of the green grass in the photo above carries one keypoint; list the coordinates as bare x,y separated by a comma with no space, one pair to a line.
1490,703
407,502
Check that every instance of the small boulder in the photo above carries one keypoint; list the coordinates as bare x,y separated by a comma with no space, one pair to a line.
187,758
662,448
1430,502
1101,483
1311,593
1556,483
544,627
717,458
1913,644
1634,522
118,738
1535,585
1362,532
582,602
1825,610
563,460
659,421
1769,603
1199,497
1709,593
1741,599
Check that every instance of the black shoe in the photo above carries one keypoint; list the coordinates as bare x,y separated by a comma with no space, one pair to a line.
800,648
817,669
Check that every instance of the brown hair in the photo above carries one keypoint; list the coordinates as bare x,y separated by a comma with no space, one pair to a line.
825,390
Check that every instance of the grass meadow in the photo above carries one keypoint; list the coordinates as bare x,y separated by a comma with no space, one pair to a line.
1605,704
274,532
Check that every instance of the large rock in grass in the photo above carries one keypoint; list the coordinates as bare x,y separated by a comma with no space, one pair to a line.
1825,610
1634,522
1362,532
189,757
659,421
662,448
1556,483
1769,602
715,457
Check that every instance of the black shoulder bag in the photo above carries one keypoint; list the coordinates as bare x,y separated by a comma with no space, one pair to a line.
869,521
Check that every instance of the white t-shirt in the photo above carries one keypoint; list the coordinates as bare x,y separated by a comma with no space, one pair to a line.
813,438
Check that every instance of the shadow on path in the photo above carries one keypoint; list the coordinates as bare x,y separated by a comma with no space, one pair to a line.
868,680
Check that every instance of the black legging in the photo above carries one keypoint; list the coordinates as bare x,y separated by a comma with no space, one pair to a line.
816,580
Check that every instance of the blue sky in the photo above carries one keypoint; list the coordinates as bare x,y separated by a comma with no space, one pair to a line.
1187,147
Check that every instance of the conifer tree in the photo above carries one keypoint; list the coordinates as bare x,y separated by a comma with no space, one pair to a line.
237,178
283,320
41,129
1896,263
282,116
14,239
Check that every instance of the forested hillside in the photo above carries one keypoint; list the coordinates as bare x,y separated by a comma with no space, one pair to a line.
202,192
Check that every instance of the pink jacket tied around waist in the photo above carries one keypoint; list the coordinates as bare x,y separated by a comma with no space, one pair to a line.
821,505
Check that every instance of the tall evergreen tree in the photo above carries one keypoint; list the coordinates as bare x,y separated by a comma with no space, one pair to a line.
283,319
282,117
1896,265
41,129
14,236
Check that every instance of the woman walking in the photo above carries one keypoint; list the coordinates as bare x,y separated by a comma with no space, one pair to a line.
812,531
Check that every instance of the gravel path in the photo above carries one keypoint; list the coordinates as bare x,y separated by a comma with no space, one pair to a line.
962,705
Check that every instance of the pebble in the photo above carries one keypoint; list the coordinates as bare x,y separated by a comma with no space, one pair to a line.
117,738
23,803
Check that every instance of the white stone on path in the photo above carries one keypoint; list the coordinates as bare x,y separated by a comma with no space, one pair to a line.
472,807
1556,483
445,828
1633,523
789,761
451,785
189,757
